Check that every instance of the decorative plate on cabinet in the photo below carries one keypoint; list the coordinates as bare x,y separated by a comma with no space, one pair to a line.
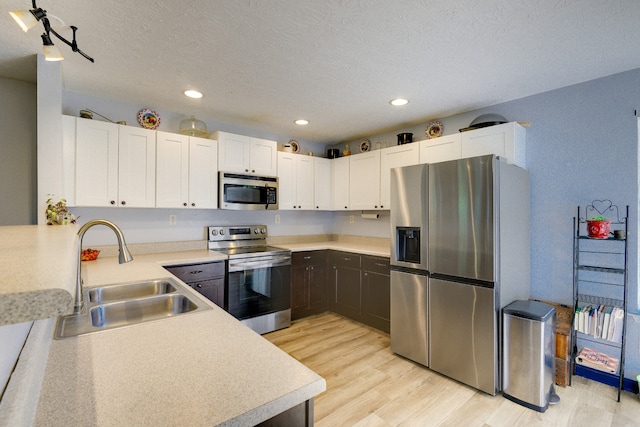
365,145
434,129
148,119
295,147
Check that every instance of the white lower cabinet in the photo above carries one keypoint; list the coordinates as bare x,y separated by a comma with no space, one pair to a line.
340,184
187,175
295,181
114,164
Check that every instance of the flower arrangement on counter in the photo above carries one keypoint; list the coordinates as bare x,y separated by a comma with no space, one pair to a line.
58,213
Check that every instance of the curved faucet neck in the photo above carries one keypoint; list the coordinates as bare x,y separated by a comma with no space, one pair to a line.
124,255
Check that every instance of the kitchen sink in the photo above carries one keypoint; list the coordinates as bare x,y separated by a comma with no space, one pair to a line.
127,304
130,290
139,310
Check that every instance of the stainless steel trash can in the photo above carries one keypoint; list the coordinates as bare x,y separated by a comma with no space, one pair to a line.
528,353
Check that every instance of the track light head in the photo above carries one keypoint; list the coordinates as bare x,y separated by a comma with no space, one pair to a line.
51,52
27,19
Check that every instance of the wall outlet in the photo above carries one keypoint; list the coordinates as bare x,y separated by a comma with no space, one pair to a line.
351,219
277,219
172,220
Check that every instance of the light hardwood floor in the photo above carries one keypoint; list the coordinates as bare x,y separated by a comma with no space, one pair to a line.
368,385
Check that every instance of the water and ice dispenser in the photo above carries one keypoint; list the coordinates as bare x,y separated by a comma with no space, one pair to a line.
408,244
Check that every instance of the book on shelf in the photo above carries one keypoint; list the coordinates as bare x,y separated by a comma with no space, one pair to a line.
600,321
597,360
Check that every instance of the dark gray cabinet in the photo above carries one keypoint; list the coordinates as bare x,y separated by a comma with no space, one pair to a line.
376,292
359,288
345,284
206,278
308,283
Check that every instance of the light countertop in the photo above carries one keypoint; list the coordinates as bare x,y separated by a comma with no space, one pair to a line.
202,368
361,248
37,272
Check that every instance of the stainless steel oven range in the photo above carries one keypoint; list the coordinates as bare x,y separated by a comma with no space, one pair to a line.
258,278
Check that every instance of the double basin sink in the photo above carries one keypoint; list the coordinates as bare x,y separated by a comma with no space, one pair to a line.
115,306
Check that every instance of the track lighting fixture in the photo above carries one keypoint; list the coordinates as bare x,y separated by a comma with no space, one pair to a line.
27,19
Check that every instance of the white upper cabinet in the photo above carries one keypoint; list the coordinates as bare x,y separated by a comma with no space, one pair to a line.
187,172
115,165
322,183
340,184
395,157
96,163
172,164
136,167
247,155
441,149
506,140
295,181
203,173
364,181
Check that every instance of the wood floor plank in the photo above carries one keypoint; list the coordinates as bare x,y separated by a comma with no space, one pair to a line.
370,386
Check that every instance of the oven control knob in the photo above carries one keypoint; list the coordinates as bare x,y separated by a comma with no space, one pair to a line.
263,230
256,230
222,232
214,232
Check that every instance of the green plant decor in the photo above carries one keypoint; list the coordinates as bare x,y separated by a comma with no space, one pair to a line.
58,213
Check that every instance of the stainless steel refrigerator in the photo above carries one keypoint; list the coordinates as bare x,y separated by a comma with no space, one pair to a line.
409,237
477,261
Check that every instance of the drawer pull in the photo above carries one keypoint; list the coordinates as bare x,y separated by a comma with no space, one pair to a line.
307,257
380,265
195,272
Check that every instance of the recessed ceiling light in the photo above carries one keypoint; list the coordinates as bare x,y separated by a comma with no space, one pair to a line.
398,102
302,122
193,94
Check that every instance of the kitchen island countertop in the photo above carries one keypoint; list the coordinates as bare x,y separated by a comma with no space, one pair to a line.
203,368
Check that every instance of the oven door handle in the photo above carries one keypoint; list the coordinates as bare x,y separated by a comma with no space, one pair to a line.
241,265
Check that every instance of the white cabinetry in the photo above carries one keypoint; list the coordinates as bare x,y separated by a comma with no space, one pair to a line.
364,181
340,184
441,149
322,183
244,154
115,165
506,140
295,181
395,157
187,172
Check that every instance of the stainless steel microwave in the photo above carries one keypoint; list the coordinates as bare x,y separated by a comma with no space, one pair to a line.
247,192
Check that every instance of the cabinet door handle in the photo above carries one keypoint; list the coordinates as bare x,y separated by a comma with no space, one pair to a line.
184,204
346,259
123,203
307,257
193,204
380,264
199,286
113,202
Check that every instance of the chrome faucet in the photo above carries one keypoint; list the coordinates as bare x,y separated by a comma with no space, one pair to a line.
124,255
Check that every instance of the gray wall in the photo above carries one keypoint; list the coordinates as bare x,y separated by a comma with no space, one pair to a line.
17,152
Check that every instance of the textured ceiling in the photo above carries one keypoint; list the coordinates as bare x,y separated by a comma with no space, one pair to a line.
263,63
